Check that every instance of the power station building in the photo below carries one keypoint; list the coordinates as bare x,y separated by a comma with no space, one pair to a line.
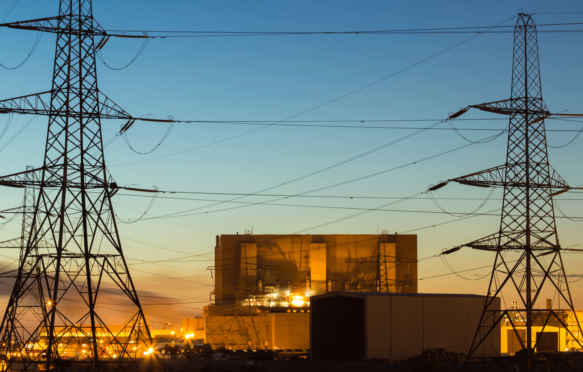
263,283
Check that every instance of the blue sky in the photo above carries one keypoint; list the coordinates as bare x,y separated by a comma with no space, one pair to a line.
275,77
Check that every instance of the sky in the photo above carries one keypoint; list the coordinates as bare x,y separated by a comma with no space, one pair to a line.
307,77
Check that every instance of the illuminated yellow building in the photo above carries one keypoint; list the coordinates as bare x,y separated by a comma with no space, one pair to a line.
305,265
552,337
263,283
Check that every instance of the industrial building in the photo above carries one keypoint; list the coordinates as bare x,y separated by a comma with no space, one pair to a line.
552,330
396,326
264,283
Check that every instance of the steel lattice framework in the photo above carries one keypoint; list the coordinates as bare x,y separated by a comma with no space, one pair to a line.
72,215
528,219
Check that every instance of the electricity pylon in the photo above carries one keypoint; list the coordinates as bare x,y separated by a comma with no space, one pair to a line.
31,304
528,219
73,213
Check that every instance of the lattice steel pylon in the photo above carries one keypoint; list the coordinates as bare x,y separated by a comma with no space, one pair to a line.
31,304
528,220
73,214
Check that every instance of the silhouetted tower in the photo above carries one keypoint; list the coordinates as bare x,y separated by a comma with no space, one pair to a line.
73,211
31,305
528,219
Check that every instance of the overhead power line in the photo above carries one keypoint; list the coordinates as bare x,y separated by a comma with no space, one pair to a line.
431,57
497,29
299,123
297,196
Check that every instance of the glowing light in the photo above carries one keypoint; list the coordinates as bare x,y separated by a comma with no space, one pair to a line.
115,356
172,332
297,300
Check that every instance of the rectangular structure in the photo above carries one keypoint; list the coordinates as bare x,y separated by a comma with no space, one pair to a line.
314,264
396,326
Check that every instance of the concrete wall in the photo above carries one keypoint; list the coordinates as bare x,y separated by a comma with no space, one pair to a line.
398,326
320,257
270,331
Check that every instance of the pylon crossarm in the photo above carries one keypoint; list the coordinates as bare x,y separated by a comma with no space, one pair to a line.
55,25
24,179
40,104
518,105
499,177
13,274
11,244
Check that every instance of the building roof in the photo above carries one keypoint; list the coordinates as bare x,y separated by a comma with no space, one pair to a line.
362,294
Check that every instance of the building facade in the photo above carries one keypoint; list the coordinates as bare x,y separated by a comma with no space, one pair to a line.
304,265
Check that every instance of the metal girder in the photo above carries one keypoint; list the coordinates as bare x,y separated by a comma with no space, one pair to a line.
44,104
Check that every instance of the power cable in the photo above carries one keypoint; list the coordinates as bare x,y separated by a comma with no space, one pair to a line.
299,196
420,31
321,105
34,45
124,134
325,168
138,54
18,133
574,219
431,197
10,11
462,271
152,201
330,186
457,131
289,124
571,141
10,117
448,222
